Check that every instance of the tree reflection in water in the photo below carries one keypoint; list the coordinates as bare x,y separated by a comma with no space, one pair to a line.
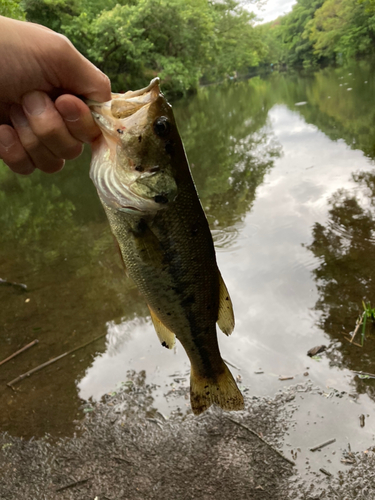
56,239
231,146
345,277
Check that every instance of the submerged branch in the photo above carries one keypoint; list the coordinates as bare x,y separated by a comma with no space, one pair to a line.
53,360
359,323
19,352
366,374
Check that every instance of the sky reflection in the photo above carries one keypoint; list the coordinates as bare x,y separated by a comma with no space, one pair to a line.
267,269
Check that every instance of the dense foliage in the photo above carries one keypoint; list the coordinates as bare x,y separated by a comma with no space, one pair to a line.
11,8
187,42
182,41
320,32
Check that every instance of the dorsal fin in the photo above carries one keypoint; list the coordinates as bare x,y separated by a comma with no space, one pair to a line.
225,319
166,337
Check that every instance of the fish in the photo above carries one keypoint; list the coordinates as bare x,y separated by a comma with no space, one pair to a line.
143,179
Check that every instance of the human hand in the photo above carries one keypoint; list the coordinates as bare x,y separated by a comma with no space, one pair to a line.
38,66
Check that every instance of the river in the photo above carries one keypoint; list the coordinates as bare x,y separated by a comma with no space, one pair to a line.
284,167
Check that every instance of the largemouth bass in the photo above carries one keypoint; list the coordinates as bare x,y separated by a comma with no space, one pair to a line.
144,182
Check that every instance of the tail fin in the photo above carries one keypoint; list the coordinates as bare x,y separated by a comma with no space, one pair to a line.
221,390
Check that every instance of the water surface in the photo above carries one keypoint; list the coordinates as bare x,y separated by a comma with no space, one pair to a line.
284,168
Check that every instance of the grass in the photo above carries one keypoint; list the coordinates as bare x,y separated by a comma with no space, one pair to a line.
367,315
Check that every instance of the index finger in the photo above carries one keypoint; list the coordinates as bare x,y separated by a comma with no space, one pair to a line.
78,118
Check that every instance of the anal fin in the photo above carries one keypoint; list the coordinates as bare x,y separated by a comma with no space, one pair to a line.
166,337
225,319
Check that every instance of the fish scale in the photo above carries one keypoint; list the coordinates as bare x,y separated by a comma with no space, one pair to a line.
144,182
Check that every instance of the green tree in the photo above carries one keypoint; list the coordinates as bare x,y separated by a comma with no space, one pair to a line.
51,13
276,52
292,32
133,40
340,28
12,8
237,46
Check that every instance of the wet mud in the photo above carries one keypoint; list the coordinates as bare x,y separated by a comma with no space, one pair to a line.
122,451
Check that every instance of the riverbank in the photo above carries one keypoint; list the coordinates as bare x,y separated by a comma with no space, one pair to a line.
120,452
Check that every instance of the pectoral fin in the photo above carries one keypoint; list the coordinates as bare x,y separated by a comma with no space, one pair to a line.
166,337
225,319
146,244
119,251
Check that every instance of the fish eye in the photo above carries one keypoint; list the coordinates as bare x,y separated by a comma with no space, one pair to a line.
162,126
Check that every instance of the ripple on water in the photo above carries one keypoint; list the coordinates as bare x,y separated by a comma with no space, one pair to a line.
224,238
233,237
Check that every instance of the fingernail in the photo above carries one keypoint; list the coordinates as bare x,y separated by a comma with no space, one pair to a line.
34,103
69,111
7,138
18,117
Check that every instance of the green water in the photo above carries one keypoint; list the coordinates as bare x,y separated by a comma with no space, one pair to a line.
284,168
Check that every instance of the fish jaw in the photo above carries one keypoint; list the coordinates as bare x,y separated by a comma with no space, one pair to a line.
130,168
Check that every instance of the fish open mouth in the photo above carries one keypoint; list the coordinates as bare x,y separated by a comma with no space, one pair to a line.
123,178
124,107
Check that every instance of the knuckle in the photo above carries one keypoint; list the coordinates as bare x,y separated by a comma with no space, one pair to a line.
31,144
49,134
62,43
16,156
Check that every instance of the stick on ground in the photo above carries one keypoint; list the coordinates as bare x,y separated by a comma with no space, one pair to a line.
53,360
325,471
263,441
19,351
74,483
320,446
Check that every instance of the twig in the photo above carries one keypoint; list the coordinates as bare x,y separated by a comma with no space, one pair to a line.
326,472
320,446
155,421
19,286
47,363
286,378
261,439
121,459
357,327
30,372
333,491
232,365
354,343
371,375
74,483
19,351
